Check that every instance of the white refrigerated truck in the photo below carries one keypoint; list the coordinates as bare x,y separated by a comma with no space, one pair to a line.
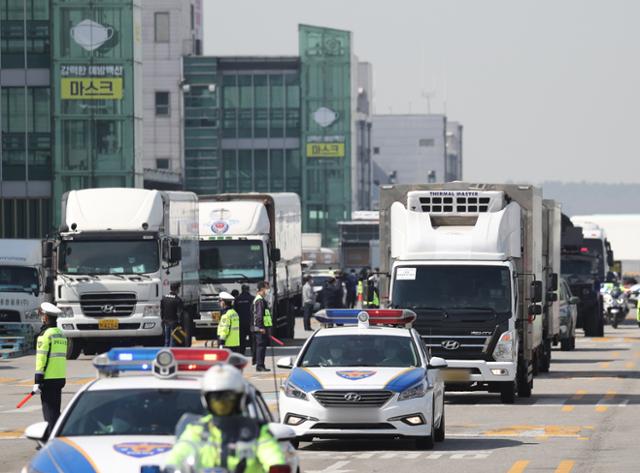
245,239
467,258
23,282
118,251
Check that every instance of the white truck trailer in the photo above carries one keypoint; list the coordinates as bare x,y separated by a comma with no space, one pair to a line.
245,239
467,258
23,282
118,251
551,257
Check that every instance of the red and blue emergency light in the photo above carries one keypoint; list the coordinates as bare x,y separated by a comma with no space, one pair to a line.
118,360
396,317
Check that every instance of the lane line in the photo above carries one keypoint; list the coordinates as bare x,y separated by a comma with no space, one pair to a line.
605,364
630,365
519,466
568,408
565,466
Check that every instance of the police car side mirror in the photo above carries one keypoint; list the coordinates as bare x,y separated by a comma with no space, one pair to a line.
282,433
437,363
573,300
285,362
37,431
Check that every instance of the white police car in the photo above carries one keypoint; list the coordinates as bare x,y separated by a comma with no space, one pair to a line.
121,423
367,380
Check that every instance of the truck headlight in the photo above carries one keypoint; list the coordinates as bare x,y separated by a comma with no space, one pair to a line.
414,392
67,311
291,390
151,311
505,347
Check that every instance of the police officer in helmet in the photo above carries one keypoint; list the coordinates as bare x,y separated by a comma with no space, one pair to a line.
51,364
225,438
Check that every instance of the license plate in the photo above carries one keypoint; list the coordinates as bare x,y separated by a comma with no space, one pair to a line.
454,375
215,315
108,324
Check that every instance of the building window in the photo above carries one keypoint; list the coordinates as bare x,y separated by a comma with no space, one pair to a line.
163,163
376,150
161,27
162,104
426,142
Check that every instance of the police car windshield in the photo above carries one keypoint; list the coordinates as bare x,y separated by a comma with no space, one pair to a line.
231,260
360,350
109,257
18,279
455,287
130,412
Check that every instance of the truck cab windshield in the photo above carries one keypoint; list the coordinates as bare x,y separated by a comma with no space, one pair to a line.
231,260
109,257
18,279
596,247
451,288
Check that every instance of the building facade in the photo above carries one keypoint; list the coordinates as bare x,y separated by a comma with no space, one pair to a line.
415,149
25,119
171,30
273,124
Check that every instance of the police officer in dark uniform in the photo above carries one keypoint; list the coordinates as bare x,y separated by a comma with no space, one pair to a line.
171,313
262,324
243,308
51,364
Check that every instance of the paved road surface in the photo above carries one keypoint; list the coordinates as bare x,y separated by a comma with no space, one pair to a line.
584,416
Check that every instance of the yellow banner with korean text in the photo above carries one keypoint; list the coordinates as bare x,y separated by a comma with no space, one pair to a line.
325,150
91,88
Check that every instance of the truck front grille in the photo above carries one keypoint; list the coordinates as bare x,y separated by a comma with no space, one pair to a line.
458,347
341,398
108,304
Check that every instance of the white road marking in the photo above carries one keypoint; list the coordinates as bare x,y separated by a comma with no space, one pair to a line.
335,468
23,410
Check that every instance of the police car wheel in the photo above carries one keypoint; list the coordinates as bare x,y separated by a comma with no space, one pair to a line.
427,442
440,431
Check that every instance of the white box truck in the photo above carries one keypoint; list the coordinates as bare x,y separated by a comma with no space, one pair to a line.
467,258
551,255
245,239
118,251
23,282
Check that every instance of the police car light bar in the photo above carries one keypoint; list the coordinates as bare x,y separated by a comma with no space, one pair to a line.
398,317
118,360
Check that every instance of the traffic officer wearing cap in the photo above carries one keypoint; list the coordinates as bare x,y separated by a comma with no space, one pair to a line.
225,438
229,325
51,364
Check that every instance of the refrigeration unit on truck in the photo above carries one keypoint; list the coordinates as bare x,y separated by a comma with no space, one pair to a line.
23,282
245,239
551,245
467,258
117,253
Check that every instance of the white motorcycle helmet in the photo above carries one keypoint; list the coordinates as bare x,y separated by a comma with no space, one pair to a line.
223,390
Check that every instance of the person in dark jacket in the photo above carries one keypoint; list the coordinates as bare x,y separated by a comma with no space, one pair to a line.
262,324
351,282
243,308
171,313
332,294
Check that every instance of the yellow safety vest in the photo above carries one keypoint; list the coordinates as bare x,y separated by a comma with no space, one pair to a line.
51,354
229,328
266,320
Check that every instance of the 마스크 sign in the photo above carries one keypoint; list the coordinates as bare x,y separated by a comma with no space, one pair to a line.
325,150
91,82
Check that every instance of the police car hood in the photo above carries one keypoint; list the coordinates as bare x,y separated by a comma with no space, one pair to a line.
393,379
103,454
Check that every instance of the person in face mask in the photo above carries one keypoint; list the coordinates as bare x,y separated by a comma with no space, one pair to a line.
225,438
262,324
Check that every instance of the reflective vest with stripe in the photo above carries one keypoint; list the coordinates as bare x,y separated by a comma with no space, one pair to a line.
51,354
229,328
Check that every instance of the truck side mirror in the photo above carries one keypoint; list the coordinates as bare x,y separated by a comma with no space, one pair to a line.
536,291
47,255
554,282
552,296
535,309
275,255
574,300
610,260
48,285
175,254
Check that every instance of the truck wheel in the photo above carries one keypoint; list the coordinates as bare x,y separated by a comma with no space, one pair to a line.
187,325
600,327
74,348
573,342
565,344
525,385
508,392
545,359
